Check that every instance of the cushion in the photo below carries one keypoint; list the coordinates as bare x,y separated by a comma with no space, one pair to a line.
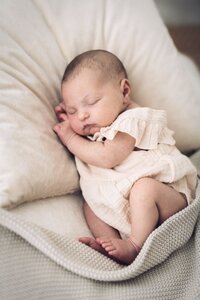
37,40
61,214
33,162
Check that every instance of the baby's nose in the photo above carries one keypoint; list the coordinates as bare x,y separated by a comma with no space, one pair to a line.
83,115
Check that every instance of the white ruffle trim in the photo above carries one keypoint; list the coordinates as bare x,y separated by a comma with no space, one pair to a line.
148,126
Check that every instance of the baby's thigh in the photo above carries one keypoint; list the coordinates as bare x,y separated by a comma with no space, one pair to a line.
167,200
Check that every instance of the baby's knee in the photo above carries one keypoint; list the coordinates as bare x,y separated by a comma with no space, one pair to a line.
143,184
143,189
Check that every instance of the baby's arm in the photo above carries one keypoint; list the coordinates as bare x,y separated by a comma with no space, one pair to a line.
107,154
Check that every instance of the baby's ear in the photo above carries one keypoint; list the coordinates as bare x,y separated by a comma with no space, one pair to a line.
125,87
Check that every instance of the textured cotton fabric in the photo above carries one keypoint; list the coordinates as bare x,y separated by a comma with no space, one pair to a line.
39,264
155,155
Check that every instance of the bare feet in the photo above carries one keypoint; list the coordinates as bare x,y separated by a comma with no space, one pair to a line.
91,242
123,251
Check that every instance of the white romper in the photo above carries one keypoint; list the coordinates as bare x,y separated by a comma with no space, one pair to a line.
107,190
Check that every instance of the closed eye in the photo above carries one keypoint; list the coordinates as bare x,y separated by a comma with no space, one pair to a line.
71,111
94,101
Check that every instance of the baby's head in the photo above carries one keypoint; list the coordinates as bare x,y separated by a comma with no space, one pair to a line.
102,61
95,90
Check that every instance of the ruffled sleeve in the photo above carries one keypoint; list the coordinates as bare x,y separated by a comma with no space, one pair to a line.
148,126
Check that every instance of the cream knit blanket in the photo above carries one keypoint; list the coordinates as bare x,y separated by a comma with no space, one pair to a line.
38,264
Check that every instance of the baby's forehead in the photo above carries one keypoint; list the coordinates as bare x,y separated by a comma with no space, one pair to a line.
93,73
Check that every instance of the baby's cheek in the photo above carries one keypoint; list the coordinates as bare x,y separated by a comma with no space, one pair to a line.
77,128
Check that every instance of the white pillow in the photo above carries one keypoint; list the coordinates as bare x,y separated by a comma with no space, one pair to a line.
33,163
133,30
62,215
37,40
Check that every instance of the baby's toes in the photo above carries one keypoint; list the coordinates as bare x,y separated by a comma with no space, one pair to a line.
108,246
102,240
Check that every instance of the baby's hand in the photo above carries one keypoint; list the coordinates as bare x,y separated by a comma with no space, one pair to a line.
64,130
60,111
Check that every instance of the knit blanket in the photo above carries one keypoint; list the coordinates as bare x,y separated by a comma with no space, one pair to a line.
38,264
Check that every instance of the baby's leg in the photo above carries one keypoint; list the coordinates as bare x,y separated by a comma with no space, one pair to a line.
98,228
151,203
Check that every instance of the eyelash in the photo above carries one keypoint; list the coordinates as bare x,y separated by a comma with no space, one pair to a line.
71,113
94,102
90,104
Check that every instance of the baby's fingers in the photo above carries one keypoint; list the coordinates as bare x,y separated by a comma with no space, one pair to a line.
59,110
63,117
57,128
60,107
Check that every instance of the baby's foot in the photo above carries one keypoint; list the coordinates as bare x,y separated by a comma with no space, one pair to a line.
91,242
123,251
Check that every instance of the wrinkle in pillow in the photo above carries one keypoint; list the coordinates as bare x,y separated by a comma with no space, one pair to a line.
37,40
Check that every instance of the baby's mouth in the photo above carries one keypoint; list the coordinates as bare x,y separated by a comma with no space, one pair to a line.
89,128
86,127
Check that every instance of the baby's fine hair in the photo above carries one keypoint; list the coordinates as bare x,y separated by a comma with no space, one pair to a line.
101,60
